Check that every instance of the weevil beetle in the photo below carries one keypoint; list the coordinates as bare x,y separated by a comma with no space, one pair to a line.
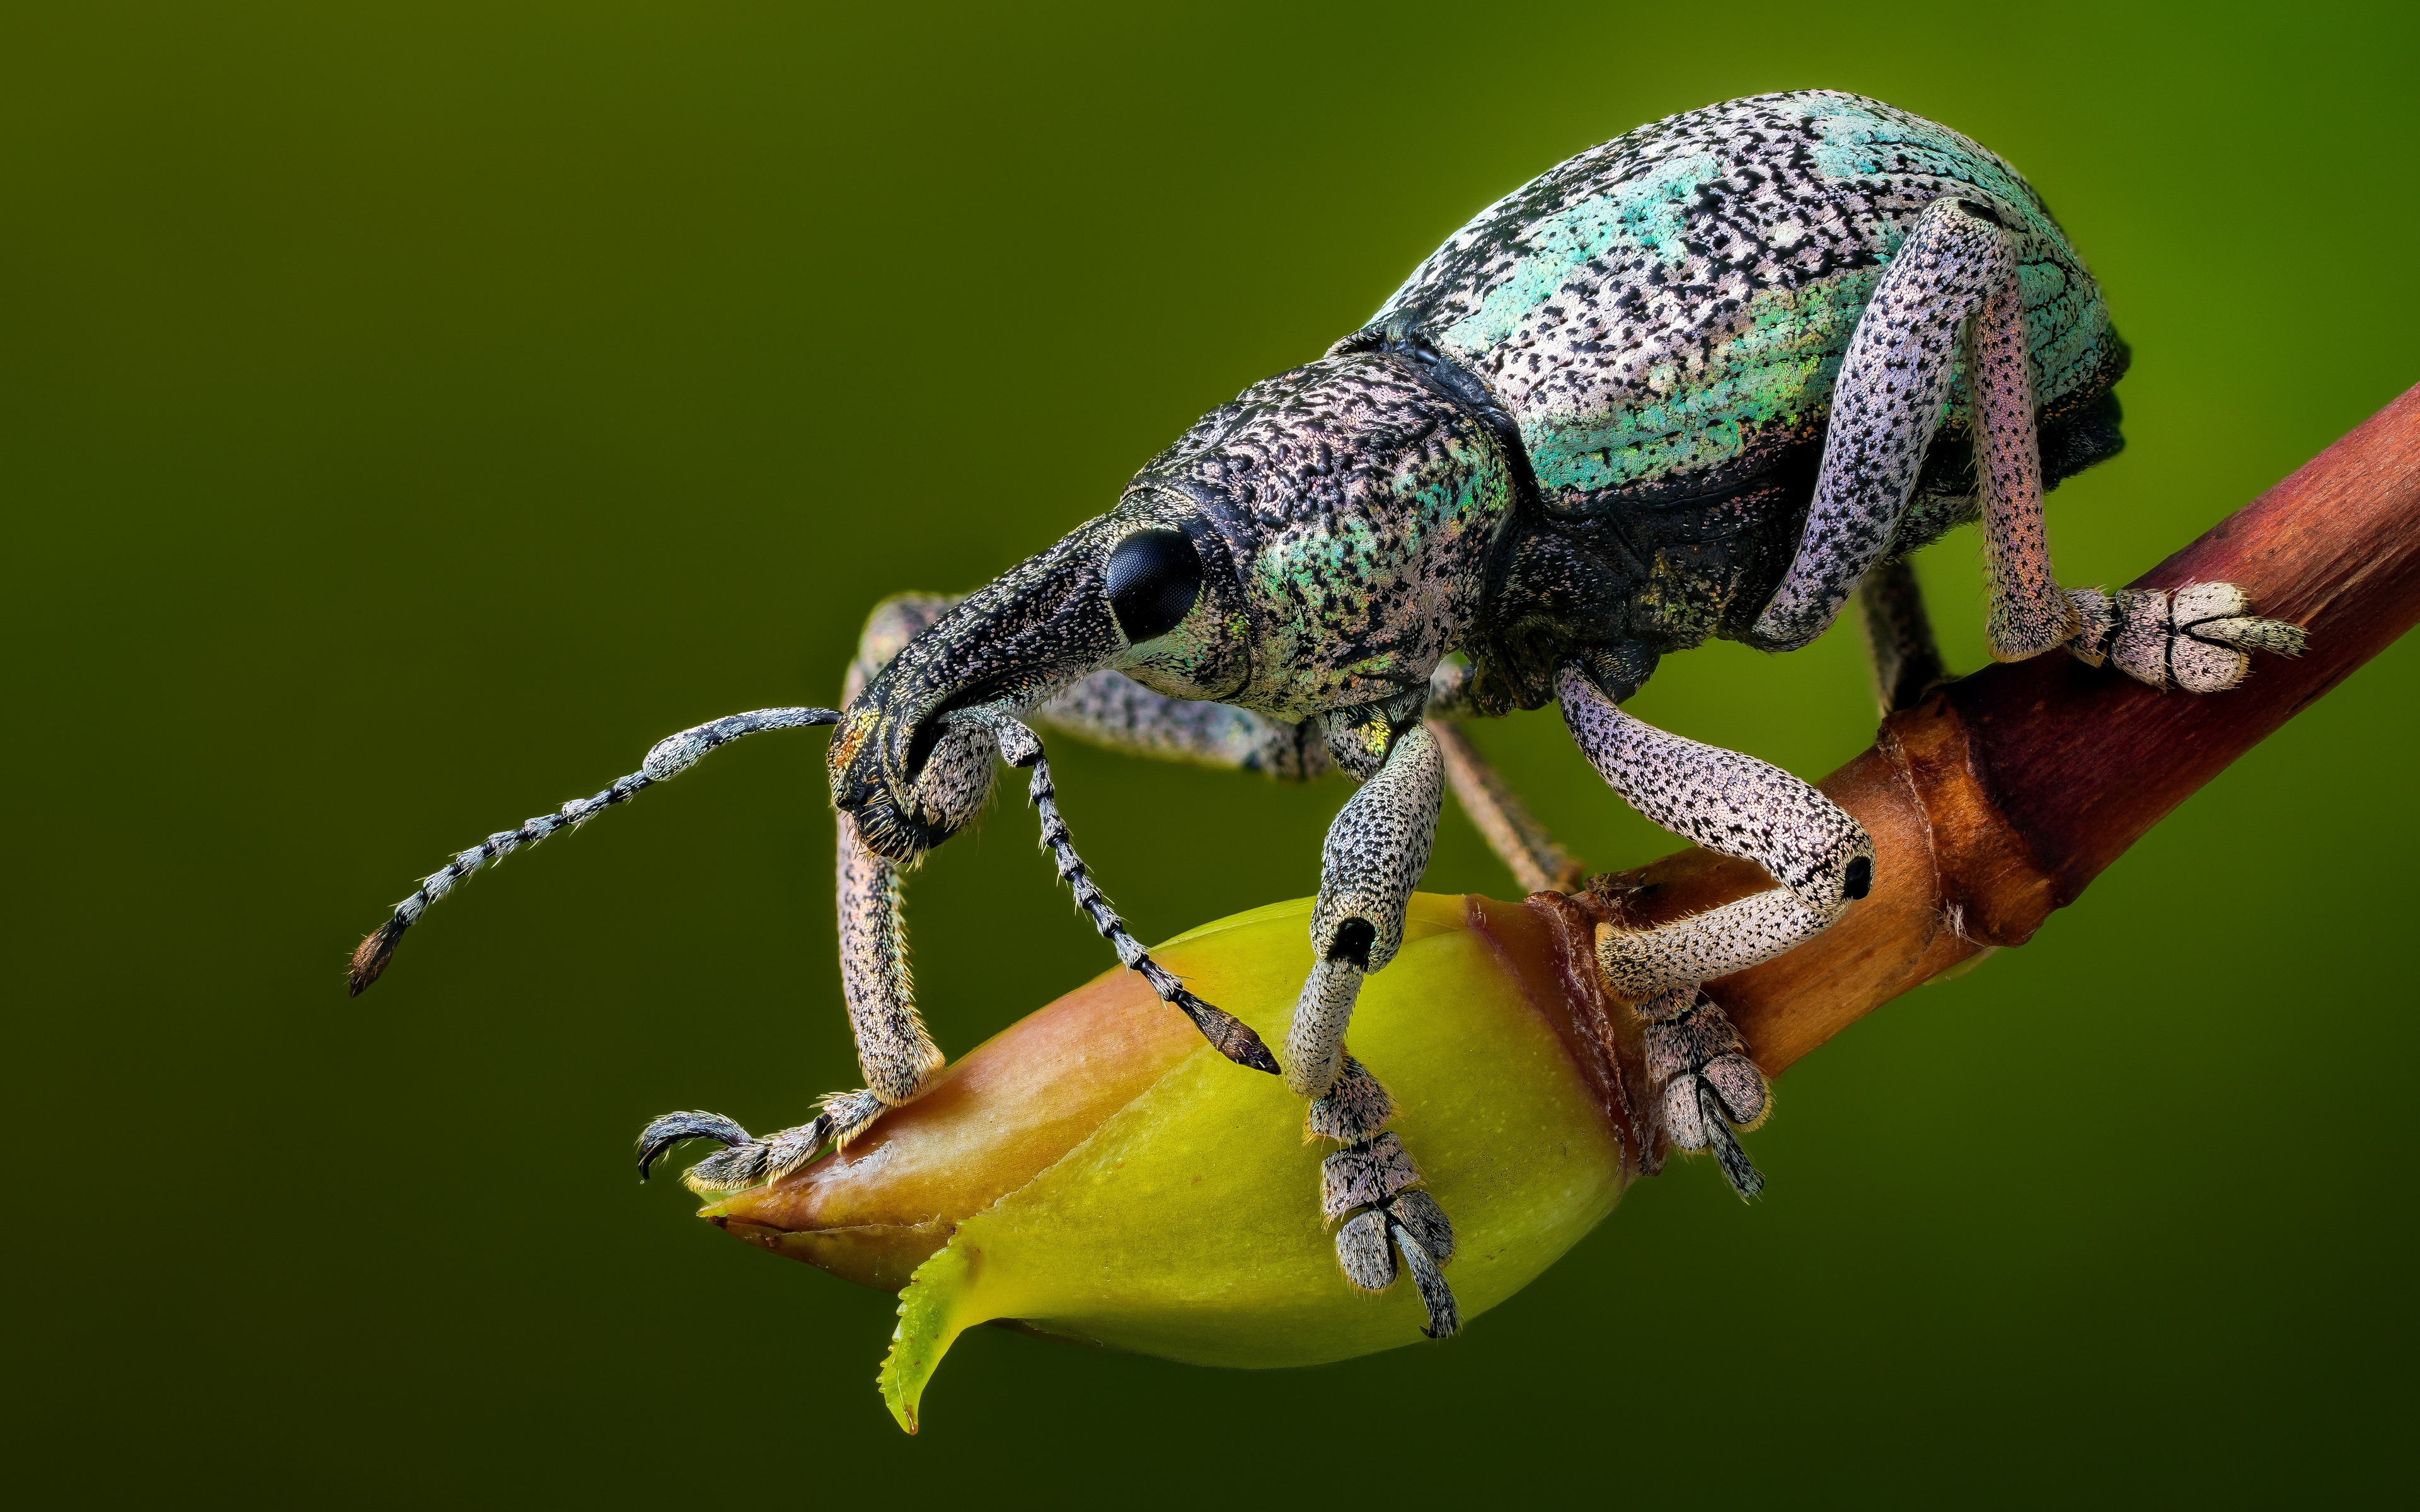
1709,379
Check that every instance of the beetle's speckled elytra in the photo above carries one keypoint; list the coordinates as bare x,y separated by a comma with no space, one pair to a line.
1709,379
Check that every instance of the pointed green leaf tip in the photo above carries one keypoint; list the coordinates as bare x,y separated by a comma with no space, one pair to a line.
932,1314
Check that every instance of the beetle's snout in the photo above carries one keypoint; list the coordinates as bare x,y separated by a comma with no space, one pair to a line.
912,761
904,809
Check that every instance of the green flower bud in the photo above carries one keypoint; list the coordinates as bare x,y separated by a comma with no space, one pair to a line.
1097,1171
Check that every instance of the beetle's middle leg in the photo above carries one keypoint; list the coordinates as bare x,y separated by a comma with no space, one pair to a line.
1821,858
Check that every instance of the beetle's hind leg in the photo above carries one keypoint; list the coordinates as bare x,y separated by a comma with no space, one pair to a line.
2197,637
1893,382
1951,296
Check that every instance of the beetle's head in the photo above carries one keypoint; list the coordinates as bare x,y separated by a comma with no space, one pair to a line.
1315,546
1147,589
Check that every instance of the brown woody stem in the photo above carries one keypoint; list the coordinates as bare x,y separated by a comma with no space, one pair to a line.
2000,796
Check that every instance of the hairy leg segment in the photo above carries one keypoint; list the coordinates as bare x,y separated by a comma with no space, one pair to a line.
894,1051
1899,647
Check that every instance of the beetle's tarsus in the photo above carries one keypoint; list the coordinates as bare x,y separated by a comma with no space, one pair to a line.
1374,1186
2198,637
1699,1077
760,1161
749,1161
1410,1222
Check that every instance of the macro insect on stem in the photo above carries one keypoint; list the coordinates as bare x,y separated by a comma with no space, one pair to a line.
1083,1211
1706,380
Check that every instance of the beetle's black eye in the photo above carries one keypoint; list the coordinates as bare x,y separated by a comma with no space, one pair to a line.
1154,575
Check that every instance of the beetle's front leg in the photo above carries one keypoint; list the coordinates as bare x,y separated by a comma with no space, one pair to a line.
1376,850
893,1049
1738,806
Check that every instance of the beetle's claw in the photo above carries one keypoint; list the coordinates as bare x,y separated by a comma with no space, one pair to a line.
1728,1153
1445,1318
670,1130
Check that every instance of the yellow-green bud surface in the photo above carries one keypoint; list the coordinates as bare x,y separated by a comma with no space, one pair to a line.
1097,1172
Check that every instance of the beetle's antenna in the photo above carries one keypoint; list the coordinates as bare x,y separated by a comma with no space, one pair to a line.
672,756
1229,1034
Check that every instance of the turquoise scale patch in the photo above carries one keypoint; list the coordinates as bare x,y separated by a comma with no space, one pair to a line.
1774,366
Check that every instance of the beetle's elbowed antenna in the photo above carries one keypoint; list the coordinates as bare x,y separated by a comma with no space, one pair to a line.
1229,1034
672,756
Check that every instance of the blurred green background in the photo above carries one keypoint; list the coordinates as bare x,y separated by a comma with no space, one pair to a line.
413,411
